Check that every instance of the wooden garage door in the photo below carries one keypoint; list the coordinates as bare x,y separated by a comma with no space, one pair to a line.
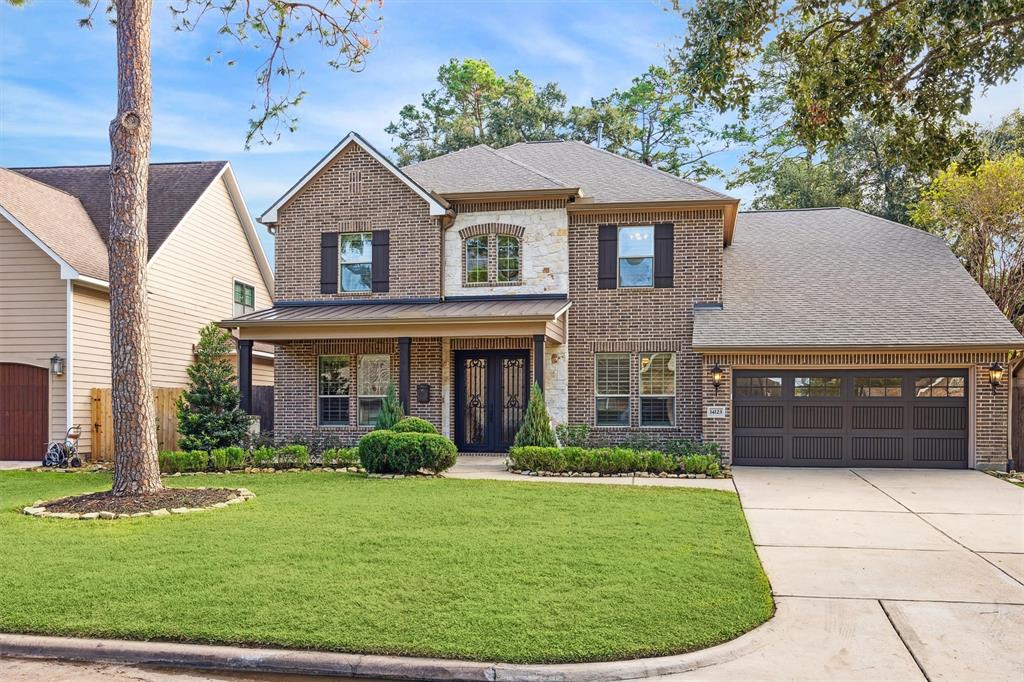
23,411
866,418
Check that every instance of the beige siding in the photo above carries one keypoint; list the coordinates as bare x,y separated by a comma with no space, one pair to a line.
191,282
92,354
33,313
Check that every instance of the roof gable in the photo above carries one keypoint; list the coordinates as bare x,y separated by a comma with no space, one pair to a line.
269,217
174,188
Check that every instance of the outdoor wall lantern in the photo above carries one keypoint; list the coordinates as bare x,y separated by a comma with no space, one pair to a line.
995,375
716,376
57,364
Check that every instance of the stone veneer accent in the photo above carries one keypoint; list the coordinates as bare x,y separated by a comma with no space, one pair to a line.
637,321
376,200
988,445
544,252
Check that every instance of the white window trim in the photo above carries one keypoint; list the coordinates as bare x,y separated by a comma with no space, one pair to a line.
619,258
348,396
359,394
627,396
235,281
641,395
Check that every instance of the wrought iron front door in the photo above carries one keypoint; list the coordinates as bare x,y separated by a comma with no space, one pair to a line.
491,392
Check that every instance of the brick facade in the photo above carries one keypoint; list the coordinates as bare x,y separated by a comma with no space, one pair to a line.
637,321
334,202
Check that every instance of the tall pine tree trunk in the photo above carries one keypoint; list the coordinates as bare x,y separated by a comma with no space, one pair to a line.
136,468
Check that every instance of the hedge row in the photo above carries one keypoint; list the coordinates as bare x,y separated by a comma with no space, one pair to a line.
233,458
610,461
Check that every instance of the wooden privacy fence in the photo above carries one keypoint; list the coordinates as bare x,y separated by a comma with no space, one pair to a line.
103,421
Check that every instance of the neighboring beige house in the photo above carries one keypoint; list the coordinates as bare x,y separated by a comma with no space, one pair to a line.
205,263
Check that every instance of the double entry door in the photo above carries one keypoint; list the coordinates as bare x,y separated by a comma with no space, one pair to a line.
491,392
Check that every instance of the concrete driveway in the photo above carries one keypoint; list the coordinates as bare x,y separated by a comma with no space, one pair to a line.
886,574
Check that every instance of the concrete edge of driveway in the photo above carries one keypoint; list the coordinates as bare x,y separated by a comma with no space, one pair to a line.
243,659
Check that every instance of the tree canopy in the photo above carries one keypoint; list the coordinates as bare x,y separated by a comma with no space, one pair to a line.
909,67
980,214
474,105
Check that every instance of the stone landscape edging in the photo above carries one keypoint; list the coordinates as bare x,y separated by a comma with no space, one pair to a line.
38,509
299,662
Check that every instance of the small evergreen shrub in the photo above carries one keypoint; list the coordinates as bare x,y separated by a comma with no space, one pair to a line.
209,415
291,457
618,460
700,464
405,452
340,457
390,409
572,435
263,456
183,461
413,425
373,449
638,440
536,427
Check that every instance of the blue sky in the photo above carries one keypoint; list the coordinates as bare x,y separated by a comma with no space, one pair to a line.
57,81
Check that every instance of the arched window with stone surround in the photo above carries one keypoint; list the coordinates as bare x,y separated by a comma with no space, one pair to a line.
492,254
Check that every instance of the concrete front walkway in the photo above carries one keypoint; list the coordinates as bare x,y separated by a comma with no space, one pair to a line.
886,574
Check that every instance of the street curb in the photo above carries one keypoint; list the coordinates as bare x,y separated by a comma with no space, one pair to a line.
243,659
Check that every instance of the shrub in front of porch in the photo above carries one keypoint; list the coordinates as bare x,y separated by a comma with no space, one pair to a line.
617,460
536,427
414,425
405,452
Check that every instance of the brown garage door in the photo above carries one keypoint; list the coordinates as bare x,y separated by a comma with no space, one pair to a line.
23,411
866,418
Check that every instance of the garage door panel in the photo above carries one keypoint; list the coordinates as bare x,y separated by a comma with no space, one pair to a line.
822,417
817,417
875,449
878,417
759,447
759,416
24,392
940,417
825,448
947,450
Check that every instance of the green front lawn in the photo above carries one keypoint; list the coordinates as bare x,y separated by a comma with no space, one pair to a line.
486,570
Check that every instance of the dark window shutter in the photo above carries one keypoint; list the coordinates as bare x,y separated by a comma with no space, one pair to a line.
607,255
329,263
381,258
663,256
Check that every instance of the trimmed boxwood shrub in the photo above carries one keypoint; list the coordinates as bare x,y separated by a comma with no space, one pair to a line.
183,461
414,425
601,460
396,452
263,456
291,457
340,457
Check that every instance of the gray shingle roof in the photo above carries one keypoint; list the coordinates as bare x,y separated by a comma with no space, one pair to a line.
478,169
842,278
173,189
57,219
602,177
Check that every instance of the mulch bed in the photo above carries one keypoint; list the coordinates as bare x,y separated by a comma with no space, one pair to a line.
167,498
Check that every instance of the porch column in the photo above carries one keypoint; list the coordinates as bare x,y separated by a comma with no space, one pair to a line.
538,360
403,372
245,374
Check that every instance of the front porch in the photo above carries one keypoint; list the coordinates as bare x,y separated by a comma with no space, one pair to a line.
465,366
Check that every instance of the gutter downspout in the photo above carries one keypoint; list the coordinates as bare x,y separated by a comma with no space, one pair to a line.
69,372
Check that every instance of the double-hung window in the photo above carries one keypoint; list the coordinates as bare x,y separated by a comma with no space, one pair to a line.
657,389
611,389
356,255
332,390
636,256
245,298
373,377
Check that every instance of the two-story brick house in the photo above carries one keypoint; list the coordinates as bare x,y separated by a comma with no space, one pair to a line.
640,302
